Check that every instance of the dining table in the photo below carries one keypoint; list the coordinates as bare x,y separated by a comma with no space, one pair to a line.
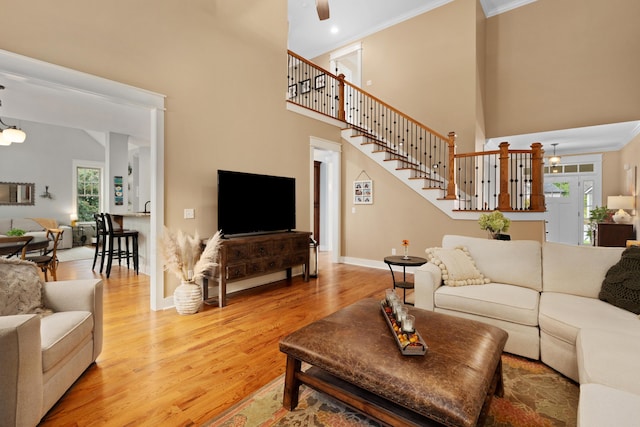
9,248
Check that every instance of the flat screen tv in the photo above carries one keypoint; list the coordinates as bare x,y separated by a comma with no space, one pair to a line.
251,203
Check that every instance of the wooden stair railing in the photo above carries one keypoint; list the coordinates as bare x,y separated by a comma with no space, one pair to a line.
429,154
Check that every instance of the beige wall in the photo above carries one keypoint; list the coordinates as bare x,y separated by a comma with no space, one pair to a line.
221,114
203,55
426,67
562,64
400,213
629,158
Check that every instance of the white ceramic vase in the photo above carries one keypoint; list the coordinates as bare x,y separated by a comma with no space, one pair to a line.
187,298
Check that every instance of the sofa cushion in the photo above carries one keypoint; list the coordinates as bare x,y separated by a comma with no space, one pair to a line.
61,333
20,287
458,268
495,300
27,224
600,405
592,263
515,262
609,358
5,225
621,285
563,315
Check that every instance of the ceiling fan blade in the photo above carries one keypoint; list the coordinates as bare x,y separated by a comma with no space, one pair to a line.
322,7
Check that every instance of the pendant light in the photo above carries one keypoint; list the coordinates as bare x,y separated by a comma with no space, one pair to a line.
554,160
10,134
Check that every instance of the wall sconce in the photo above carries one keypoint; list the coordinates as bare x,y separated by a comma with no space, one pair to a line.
621,203
46,194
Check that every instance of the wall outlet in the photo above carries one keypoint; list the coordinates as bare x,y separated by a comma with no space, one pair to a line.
393,251
189,214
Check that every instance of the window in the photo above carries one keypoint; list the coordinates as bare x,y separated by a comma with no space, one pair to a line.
88,194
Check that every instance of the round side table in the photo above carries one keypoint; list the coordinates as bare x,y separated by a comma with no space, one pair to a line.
412,261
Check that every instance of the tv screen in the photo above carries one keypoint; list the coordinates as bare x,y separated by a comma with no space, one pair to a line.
251,203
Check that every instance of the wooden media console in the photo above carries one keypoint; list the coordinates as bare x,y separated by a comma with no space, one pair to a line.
250,256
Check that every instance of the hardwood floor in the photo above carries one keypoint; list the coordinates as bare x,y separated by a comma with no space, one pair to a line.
161,368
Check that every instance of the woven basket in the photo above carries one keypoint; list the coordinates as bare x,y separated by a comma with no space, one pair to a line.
187,298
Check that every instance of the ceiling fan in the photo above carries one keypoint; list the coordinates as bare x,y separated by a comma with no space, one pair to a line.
322,6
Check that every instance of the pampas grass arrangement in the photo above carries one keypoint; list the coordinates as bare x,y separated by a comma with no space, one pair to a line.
184,257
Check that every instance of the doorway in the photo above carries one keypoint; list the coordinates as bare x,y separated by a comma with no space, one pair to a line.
348,61
571,191
326,218
86,101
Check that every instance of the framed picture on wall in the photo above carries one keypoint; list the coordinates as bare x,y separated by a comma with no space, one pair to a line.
363,192
305,86
118,190
293,91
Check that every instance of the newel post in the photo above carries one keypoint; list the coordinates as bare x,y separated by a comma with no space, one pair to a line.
341,110
451,185
537,193
504,203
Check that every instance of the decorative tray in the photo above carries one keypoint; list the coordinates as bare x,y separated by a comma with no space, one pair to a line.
409,343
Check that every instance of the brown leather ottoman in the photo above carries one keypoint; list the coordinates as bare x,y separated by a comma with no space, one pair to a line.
356,360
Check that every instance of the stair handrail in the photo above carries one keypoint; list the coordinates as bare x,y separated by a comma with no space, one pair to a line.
337,109
341,79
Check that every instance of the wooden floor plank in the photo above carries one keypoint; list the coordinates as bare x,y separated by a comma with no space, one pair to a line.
161,368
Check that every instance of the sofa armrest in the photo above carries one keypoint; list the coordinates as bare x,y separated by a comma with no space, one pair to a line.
20,370
428,278
67,237
78,295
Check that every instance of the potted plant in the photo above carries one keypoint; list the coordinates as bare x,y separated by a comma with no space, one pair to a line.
495,223
597,215
15,232
188,261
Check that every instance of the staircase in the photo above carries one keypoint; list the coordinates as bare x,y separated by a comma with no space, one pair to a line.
422,158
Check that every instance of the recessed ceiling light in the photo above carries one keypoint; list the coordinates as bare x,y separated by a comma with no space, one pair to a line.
334,30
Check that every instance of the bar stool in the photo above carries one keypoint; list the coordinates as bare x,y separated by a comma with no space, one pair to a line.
109,244
101,241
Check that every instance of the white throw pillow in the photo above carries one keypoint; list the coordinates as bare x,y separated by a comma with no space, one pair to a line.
458,268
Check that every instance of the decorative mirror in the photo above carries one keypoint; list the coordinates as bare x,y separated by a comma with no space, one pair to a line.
17,193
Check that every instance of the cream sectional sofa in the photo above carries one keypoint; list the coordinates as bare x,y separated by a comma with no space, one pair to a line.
42,355
32,228
546,297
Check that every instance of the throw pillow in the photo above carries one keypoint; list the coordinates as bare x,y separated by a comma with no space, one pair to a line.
458,268
621,284
20,287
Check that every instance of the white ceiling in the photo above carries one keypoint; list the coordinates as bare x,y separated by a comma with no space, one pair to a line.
355,19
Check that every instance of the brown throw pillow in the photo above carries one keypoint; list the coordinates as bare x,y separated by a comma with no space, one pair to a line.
20,287
621,285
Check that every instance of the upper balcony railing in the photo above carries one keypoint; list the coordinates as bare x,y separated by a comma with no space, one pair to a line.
507,180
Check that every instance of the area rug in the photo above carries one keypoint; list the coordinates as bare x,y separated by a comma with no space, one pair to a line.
74,254
535,395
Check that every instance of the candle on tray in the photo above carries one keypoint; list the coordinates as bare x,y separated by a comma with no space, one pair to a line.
408,324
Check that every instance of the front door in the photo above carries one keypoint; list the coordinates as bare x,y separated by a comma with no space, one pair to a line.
564,216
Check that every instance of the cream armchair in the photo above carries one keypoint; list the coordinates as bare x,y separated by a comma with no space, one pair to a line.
43,355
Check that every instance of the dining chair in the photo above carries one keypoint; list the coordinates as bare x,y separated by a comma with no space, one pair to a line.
13,245
48,261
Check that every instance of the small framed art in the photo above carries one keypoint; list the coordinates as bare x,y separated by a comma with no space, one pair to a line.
363,192
305,86
293,91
